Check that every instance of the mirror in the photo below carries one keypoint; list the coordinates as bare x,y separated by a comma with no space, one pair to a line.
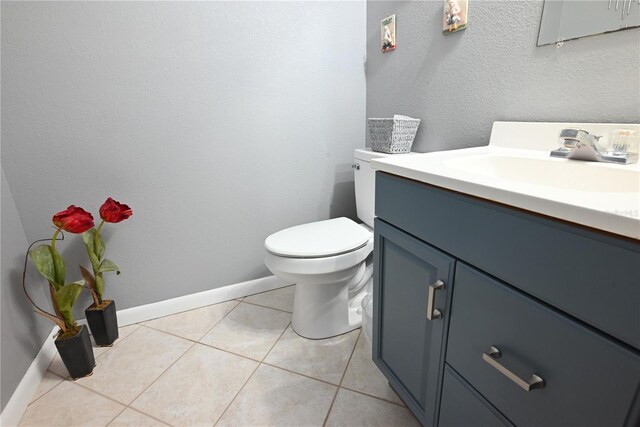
573,19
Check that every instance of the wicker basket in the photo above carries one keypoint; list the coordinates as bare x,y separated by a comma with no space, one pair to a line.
393,136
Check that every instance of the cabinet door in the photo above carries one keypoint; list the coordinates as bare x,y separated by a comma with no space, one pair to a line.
412,285
461,406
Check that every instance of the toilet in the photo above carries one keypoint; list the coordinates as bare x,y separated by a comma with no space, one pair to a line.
329,261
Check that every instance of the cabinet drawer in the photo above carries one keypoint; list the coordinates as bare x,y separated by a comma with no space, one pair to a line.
588,380
590,275
462,407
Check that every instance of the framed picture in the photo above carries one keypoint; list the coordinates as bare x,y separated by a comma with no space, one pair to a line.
388,33
455,15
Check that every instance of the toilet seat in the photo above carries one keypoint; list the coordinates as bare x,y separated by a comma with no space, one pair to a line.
318,239
318,266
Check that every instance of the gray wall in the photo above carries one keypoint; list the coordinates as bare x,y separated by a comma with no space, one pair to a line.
459,84
219,123
22,334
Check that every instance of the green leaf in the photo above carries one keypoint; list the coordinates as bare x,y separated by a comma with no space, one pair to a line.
95,262
87,238
59,266
66,297
108,265
99,246
94,246
43,260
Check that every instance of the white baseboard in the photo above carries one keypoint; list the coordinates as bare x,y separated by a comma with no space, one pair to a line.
154,310
23,394
20,399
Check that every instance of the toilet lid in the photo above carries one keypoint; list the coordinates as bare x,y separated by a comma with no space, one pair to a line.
318,239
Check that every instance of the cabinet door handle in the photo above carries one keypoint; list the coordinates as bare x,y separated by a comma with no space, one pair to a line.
434,313
492,356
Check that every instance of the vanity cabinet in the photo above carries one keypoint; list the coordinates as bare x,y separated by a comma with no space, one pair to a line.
540,318
410,316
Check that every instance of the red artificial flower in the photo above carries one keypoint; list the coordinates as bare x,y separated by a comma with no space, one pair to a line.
114,211
73,219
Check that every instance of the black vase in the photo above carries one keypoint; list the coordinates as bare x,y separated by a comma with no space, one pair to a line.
103,323
77,354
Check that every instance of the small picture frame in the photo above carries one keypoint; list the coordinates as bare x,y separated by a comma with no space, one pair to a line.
455,16
388,33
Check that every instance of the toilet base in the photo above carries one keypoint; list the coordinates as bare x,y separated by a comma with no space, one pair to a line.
338,314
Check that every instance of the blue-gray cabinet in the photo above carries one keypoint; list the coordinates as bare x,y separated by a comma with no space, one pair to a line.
540,319
410,316
463,406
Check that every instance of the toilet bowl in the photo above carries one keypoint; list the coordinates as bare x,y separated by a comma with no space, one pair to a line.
325,259
329,261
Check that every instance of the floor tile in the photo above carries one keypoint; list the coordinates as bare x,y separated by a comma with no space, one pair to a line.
197,389
193,324
281,299
355,409
125,331
70,405
249,330
363,375
128,368
132,418
274,397
48,382
58,368
323,359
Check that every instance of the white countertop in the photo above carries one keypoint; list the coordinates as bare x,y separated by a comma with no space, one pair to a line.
515,169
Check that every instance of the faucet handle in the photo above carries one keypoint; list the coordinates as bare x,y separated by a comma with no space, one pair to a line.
570,137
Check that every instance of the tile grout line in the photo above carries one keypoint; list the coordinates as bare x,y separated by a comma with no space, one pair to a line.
236,395
260,363
117,415
128,405
96,392
202,343
276,342
361,335
46,392
221,319
69,380
266,306
373,396
147,415
157,378
335,396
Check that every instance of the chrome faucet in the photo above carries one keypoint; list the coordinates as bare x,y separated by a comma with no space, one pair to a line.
578,144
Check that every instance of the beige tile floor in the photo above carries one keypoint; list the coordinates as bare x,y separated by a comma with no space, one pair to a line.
237,363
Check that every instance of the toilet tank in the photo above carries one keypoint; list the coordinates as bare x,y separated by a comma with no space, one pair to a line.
364,178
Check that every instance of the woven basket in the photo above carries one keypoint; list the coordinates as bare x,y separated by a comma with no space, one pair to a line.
393,136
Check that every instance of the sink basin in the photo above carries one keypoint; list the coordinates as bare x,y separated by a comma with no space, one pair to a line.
551,172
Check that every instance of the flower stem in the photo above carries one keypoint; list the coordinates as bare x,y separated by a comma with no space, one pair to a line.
97,239
53,239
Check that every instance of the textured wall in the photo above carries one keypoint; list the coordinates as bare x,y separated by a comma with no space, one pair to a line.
22,332
218,122
459,84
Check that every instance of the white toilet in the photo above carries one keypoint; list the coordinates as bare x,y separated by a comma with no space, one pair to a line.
329,261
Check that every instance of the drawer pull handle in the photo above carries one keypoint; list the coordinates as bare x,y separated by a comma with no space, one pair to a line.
492,356
432,312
